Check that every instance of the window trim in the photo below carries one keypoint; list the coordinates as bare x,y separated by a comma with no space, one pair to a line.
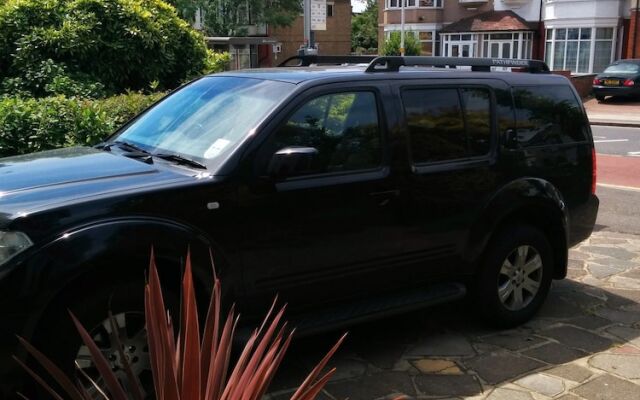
454,163
389,7
334,177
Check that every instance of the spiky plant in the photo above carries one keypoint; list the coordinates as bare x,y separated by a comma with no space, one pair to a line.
194,365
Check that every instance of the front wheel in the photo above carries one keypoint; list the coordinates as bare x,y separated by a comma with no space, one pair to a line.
515,276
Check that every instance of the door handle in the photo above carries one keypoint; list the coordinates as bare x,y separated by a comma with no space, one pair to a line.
384,197
385,193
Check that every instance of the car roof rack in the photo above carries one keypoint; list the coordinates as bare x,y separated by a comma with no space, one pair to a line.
307,60
393,63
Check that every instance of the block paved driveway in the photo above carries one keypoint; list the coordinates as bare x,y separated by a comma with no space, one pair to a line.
584,344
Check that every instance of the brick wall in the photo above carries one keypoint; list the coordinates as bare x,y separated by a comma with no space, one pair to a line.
336,40
633,44
583,84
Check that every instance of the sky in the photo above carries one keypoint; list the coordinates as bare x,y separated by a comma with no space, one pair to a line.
358,5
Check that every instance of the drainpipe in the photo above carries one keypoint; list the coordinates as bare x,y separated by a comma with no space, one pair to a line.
541,45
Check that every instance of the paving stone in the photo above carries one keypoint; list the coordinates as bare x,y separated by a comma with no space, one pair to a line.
614,252
508,394
576,273
576,264
608,387
607,240
560,306
624,365
621,282
624,317
501,366
602,271
571,372
578,255
622,265
513,340
578,338
381,355
569,397
620,297
372,386
626,349
634,273
554,353
448,385
442,367
629,334
541,383
448,344
589,322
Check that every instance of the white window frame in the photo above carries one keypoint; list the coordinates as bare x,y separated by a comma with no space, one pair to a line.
413,4
446,40
592,46
523,38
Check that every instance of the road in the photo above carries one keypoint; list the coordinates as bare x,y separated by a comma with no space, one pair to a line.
618,151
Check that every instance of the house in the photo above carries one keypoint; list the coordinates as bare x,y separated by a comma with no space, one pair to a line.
581,36
265,46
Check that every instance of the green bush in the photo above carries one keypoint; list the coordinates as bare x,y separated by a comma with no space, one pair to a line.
391,46
122,44
28,125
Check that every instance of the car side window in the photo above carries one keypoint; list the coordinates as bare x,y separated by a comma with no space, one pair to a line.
342,127
448,123
548,115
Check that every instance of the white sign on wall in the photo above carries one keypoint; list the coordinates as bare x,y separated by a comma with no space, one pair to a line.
318,15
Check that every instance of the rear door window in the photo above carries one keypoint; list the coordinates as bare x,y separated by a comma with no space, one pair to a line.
548,115
448,123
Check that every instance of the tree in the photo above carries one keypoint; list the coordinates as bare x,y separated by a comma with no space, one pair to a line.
119,44
231,17
364,28
391,46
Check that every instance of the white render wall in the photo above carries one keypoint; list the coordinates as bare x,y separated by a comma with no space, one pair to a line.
571,13
527,9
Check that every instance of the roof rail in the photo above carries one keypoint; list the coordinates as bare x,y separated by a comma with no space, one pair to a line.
393,63
307,60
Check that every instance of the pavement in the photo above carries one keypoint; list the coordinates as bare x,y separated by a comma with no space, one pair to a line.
614,111
584,344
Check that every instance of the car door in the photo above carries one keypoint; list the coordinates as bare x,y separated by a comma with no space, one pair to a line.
451,132
325,231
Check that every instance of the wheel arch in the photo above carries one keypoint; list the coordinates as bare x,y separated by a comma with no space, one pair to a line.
533,201
118,248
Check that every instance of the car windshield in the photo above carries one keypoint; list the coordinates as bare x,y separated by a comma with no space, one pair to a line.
623,67
206,119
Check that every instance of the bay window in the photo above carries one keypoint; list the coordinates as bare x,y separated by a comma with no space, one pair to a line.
580,50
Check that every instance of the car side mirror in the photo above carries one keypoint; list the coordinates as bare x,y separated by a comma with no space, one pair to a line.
293,161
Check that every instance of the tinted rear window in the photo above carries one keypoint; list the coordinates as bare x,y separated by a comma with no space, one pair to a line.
548,115
448,123
628,68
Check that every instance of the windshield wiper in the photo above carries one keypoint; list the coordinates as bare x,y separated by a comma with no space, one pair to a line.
124,145
180,160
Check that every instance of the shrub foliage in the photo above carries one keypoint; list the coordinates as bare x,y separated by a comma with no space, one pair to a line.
61,46
28,124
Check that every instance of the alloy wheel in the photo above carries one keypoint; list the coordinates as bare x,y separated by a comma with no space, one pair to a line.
520,278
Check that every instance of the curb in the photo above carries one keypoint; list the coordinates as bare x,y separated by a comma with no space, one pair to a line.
610,122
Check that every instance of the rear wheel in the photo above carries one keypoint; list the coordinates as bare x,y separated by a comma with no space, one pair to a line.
515,276
599,97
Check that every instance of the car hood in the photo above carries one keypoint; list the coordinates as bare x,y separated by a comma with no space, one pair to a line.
37,181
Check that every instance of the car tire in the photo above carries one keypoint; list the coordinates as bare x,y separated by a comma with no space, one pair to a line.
125,300
600,97
515,276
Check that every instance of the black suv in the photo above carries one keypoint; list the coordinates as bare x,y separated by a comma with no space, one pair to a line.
351,190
